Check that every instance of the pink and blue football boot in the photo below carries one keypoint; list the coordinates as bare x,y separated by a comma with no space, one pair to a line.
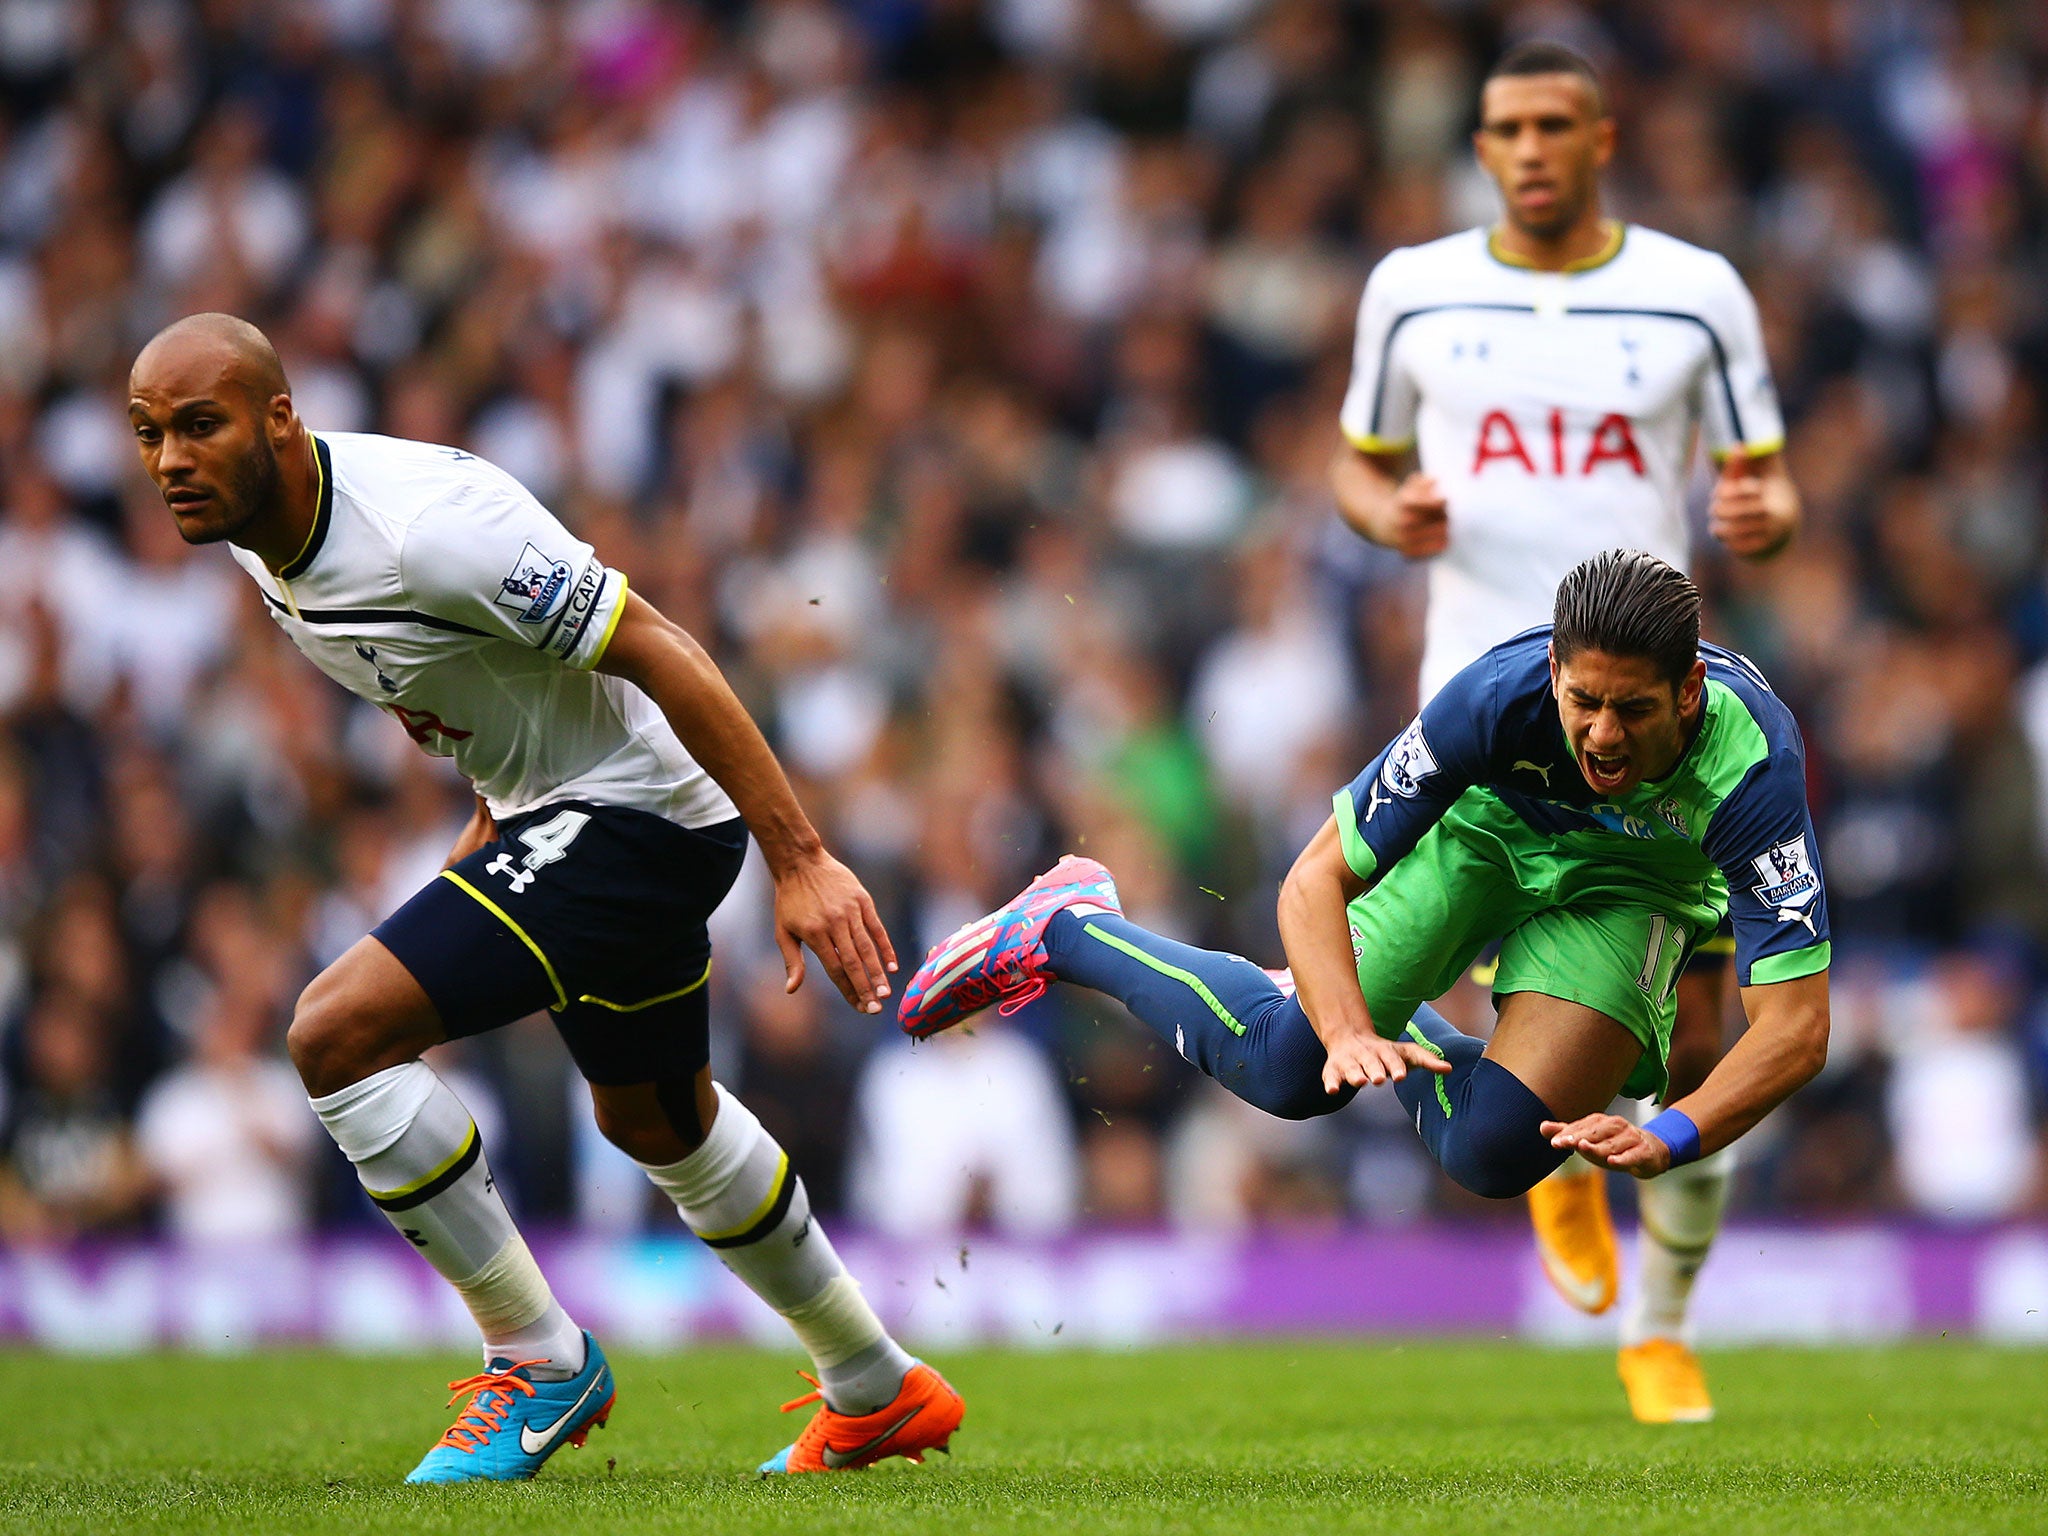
999,960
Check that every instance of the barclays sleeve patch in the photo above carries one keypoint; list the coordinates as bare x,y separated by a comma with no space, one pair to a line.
1409,762
535,587
1789,880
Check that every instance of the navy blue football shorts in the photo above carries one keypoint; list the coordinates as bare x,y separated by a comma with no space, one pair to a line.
592,912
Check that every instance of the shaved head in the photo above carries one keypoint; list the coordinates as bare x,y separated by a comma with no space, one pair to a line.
213,418
235,350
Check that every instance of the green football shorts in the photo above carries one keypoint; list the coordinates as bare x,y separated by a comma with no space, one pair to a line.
1587,917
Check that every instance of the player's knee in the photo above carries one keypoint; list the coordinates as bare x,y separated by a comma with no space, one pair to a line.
325,1038
1493,1146
338,1037
1488,1173
635,1121
1289,1099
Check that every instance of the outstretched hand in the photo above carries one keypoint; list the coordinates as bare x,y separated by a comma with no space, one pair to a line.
1367,1059
1609,1141
820,903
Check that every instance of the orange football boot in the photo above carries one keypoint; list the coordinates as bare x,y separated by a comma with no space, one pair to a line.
922,1418
1665,1384
1575,1239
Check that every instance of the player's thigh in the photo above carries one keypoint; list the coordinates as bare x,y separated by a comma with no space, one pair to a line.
362,1014
1573,1057
1620,961
1418,929
1697,1036
476,969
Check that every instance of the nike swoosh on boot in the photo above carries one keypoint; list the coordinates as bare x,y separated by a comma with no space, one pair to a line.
534,1441
838,1459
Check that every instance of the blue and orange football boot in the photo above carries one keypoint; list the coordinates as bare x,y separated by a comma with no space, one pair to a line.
922,1418
513,1423
1000,958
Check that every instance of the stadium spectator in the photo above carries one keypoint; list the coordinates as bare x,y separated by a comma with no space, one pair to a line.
226,1136
963,1133
68,1163
1967,1063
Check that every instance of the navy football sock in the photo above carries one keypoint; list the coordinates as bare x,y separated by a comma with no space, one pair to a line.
1479,1121
1219,1011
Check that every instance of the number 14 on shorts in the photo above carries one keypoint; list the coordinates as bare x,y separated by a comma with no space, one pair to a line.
545,844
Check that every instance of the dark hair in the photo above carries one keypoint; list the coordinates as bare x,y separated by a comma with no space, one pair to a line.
1541,58
1627,603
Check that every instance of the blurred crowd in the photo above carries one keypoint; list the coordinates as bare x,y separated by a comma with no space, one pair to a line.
965,374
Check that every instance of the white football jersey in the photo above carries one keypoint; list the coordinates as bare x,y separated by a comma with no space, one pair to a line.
1557,411
437,588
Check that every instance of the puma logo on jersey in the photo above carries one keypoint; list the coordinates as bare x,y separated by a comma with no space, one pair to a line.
1376,799
1539,769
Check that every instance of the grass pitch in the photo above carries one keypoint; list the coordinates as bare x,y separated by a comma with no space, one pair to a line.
1453,1438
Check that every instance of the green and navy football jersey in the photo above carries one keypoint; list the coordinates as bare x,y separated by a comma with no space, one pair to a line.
1732,810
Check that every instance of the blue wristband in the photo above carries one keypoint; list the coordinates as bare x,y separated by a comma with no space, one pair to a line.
1675,1129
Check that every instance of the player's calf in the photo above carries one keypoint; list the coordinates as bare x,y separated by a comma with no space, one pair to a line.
418,1154
738,1192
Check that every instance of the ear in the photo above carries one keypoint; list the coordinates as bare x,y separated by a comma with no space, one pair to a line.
279,418
1695,683
1603,142
1550,652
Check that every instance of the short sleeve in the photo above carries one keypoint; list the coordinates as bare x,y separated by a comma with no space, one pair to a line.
1378,414
1762,839
1384,812
492,559
1740,404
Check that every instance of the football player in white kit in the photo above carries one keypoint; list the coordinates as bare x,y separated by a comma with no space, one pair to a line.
1521,398
617,777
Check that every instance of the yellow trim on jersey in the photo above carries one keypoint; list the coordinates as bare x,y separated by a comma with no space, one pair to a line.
490,906
1763,450
666,997
319,495
427,1178
611,628
1370,444
1719,944
761,1210
1617,236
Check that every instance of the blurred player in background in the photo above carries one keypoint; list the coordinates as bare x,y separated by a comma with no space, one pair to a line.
617,778
1546,380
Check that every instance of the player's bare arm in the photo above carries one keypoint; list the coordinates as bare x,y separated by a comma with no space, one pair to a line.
1405,512
818,901
1317,937
1784,1049
1755,509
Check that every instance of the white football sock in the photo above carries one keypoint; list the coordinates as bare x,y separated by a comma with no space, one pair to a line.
1681,1214
738,1193
418,1155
